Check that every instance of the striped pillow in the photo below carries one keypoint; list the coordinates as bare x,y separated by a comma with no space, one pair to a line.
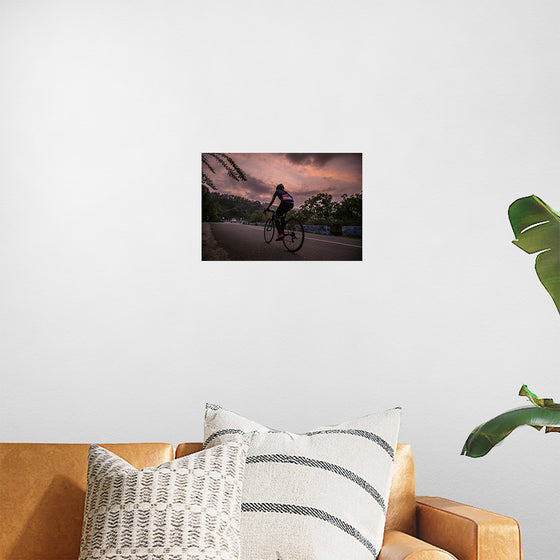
313,496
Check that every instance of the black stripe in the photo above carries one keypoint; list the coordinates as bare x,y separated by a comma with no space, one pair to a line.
315,463
221,433
312,512
361,433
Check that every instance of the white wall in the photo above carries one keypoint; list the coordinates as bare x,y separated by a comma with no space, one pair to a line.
113,330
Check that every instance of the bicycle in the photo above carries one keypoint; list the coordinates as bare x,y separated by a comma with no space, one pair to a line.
294,234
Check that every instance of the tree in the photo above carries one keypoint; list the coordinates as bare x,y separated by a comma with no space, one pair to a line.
317,208
210,207
349,211
233,170
216,205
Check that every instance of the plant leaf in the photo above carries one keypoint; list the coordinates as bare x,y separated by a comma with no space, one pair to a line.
541,403
483,438
536,227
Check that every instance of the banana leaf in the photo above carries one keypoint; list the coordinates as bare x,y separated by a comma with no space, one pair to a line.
536,227
487,435
543,413
537,401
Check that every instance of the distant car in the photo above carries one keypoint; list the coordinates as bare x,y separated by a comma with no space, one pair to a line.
233,220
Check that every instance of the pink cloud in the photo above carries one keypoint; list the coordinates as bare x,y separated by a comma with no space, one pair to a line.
302,174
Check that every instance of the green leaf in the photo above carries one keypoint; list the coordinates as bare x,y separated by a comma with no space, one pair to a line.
541,403
536,227
483,438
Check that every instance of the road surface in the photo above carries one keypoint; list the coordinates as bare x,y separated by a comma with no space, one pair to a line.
240,242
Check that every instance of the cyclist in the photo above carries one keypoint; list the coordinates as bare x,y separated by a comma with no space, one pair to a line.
286,204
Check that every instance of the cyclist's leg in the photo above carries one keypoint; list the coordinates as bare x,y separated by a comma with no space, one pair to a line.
280,217
283,208
288,207
278,222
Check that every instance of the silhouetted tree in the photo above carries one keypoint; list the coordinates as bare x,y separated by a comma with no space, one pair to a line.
318,207
349,211
216,205
321,209
233,170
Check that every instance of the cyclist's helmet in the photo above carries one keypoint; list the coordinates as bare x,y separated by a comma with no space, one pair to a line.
280,186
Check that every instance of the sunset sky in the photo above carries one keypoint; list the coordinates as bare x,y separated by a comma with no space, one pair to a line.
303,175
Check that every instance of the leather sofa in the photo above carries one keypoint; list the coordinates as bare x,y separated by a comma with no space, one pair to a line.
42,492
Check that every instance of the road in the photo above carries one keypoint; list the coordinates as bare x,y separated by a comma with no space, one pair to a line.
240,242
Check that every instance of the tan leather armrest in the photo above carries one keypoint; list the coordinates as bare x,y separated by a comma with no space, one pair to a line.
467,532
400,546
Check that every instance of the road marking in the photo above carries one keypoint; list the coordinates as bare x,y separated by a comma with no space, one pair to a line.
334,242
315,239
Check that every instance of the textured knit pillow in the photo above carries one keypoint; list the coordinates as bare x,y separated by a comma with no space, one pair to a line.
187,509
321,495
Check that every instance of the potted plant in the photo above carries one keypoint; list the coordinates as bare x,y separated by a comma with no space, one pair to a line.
536,227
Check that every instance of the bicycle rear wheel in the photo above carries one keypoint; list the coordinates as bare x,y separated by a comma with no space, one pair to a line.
294,235
269,230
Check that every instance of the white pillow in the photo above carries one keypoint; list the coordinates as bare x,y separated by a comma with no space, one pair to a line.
187,509
321,495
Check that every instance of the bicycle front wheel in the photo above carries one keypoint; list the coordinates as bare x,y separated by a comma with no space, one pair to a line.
294,235
269,230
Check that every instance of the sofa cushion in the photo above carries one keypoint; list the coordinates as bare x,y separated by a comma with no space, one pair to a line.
401,510
186,509
322,494
42,492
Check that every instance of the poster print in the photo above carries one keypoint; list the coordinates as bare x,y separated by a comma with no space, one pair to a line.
282,206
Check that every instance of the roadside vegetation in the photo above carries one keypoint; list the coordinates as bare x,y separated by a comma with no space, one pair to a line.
319,209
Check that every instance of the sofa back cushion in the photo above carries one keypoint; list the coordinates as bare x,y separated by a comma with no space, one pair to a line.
42,494
401,509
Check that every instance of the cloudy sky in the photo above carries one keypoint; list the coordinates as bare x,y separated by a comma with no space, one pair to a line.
303,175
